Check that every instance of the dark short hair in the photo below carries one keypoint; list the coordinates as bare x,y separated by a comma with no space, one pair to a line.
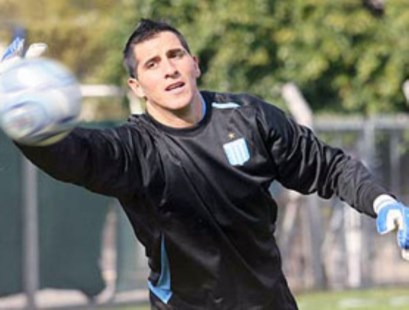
145,30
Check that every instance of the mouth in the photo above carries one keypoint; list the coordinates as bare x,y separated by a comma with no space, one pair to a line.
174,86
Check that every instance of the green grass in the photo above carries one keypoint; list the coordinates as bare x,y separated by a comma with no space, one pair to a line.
376,299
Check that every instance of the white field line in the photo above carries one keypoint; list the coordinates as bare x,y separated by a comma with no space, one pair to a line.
367,303
398,302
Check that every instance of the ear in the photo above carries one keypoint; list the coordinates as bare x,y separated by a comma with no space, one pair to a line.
136,87
198,73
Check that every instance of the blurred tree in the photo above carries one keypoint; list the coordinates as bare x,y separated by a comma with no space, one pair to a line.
344,57
74,30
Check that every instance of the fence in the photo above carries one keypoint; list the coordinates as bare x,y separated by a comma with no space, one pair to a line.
85,253
339,248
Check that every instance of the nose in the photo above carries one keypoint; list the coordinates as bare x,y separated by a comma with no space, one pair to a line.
170,69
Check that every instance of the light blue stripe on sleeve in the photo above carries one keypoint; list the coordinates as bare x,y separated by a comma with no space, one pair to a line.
226,105
162,289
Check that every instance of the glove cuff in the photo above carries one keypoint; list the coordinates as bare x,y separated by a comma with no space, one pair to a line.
381,201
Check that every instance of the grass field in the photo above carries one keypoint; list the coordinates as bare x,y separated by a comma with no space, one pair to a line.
379,299
385,299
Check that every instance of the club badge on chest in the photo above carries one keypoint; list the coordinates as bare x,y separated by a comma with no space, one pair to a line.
237,152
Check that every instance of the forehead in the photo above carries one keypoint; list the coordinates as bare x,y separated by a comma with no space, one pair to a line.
158,44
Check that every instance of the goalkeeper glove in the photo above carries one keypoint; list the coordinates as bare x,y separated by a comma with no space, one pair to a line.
393,215
15,52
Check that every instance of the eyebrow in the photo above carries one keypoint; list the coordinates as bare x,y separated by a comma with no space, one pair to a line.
170,52
174,51
154,58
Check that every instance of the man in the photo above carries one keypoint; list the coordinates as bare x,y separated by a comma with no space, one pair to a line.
193,173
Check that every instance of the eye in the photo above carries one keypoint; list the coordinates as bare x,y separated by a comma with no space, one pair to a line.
151,65
177,54
180,54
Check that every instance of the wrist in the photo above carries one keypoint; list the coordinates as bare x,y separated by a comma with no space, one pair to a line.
382,201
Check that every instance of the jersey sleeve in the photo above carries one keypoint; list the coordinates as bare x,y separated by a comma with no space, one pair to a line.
306,164
105,161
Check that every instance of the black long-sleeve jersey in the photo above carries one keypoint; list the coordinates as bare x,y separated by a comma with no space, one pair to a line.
198,197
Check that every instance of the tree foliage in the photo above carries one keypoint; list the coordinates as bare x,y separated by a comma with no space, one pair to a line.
75,30
344,57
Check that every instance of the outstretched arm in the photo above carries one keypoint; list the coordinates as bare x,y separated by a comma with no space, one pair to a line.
37,104
102,160
306,164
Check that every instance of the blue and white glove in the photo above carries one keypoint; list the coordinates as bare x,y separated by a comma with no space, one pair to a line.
15,52
393,215
40,99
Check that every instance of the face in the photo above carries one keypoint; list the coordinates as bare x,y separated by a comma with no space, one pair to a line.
166,76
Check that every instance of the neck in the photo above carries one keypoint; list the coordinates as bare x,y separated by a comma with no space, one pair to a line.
181,118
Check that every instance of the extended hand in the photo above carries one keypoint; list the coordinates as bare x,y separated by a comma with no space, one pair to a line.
40,99
15,52
393,215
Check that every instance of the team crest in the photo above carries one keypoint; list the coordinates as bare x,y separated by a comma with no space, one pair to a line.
237,152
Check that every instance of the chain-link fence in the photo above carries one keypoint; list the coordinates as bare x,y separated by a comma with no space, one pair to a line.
327,244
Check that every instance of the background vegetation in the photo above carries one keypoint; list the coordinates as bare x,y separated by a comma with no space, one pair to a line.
347,56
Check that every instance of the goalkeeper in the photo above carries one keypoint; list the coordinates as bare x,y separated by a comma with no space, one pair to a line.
193,173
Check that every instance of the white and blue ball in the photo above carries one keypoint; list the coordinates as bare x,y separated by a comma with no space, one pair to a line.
40,101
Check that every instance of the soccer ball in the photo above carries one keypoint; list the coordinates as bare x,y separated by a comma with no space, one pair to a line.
40,101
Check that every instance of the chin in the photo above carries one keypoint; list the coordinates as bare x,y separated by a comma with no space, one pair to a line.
180,103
